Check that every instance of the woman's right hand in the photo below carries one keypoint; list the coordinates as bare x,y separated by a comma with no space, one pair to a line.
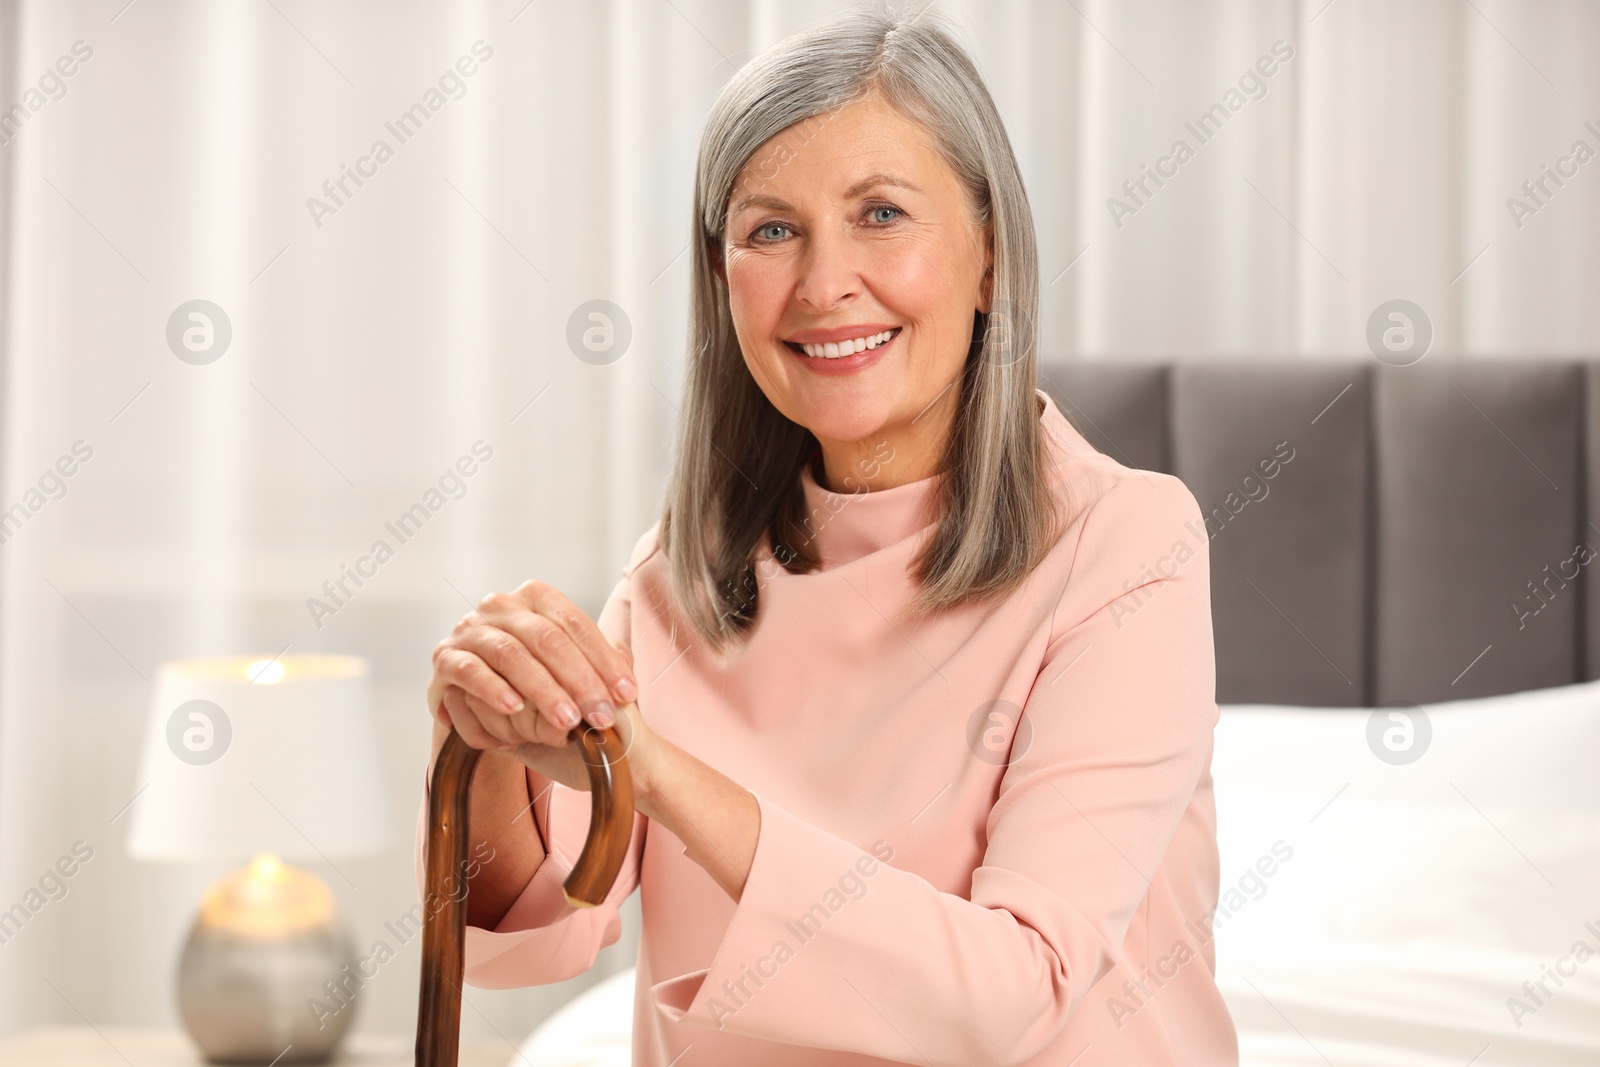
523,667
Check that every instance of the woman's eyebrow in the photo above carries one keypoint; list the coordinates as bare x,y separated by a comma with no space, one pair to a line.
871,181
758,200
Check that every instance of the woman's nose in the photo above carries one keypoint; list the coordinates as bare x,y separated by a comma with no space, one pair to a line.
830,269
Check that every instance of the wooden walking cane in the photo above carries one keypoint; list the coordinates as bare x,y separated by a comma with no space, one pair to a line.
444,905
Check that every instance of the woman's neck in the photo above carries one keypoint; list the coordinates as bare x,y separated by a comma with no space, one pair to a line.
904,452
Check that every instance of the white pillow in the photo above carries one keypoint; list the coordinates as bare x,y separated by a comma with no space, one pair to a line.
1490,838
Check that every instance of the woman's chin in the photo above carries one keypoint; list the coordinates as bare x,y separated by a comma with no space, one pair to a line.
841,428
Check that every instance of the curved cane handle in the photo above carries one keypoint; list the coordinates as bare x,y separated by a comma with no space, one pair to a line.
444,924
610,816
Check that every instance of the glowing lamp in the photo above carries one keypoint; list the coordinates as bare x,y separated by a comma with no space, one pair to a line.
263,760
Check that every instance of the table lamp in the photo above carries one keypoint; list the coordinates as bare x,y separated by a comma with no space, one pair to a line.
264,760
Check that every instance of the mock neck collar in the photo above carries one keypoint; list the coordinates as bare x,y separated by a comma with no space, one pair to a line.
847,526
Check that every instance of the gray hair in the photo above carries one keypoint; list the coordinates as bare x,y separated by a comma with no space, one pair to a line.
735,480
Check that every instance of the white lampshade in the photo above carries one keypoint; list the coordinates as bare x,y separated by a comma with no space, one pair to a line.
249,754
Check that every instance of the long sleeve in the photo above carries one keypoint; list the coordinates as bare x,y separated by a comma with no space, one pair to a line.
831,946
541,938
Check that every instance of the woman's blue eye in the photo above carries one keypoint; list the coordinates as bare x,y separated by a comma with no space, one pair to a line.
775,231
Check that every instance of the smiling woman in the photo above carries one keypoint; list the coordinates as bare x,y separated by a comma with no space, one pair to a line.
882,627
858,191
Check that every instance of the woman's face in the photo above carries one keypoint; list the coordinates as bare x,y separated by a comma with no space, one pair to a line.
843,228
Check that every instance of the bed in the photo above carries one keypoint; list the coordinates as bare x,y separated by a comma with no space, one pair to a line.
1408,637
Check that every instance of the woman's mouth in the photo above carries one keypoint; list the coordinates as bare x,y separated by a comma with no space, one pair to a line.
844,357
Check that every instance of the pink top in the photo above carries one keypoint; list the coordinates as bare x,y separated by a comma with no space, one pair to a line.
939,879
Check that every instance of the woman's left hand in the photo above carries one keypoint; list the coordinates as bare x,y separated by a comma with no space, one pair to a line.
565,763
718,820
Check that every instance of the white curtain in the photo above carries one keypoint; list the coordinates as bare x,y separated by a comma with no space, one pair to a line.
373,344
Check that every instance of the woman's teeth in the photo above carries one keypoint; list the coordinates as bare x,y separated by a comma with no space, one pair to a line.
848,348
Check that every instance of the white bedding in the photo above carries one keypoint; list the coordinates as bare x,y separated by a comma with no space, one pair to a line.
593,1029
1416,1005
1418,898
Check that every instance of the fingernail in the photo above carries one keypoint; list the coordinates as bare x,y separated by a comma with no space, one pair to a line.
601,714
568,715
511,702
625,689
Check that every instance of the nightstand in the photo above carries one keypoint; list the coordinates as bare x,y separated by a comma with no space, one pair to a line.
110,1046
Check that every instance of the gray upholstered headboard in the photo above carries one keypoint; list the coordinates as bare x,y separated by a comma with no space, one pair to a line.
1431,537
